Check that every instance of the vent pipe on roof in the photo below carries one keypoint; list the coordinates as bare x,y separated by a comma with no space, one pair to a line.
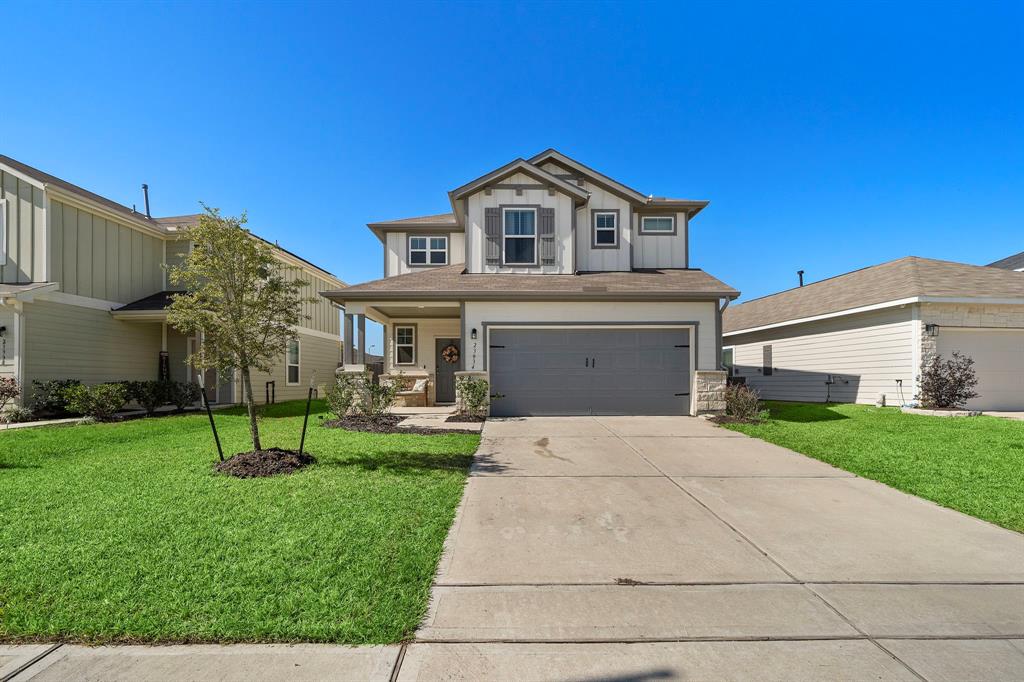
799,273
145,193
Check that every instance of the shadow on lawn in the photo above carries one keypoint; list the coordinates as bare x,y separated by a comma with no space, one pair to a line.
804,412
402,462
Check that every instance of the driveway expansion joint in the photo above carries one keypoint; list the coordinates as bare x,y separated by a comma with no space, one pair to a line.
31,662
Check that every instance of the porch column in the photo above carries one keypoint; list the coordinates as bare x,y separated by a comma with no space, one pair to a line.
361,337
347,355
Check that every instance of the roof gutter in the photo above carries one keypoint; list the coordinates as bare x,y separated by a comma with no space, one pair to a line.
346,295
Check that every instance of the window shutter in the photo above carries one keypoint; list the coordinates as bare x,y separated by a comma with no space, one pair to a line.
547,236
492,232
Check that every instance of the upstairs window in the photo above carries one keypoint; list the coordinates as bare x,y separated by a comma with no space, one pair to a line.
405,345
520,233
292,362
658,224
428,250
606,228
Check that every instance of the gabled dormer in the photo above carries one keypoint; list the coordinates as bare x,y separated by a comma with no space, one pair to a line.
546,215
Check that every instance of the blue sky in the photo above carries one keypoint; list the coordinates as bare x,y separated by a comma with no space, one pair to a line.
826,136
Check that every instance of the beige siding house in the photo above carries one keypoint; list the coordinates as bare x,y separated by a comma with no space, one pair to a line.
83,292
861,337
571,292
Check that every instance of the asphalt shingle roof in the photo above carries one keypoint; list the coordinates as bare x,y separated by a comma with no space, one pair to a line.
1010,262
904,278
452,282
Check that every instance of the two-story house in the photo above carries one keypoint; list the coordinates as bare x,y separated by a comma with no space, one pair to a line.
571,292
84,291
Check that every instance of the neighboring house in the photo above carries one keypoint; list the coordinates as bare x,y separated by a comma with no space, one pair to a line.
571,292
84,292
1014,262
863,335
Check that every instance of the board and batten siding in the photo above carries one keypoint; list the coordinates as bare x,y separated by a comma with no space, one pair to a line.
321,314
602,259
660,250
561,203
99,258
75,342
866,353
396,251
25,224
177,252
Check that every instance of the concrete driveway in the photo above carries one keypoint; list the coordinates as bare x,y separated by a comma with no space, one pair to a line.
667,548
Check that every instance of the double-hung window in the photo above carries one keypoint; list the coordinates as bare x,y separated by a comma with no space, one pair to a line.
428,250
658,224
405,345
520,235
292,362
606,228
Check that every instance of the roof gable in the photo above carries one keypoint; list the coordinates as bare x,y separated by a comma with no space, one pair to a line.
518,166
598,178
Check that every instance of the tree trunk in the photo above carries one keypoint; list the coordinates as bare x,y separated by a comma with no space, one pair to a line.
250,404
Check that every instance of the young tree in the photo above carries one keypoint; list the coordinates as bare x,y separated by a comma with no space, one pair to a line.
238,299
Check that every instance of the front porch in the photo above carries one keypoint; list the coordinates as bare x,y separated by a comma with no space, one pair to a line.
422,341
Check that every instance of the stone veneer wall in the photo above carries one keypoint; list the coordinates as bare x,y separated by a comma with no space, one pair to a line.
709,389
965,315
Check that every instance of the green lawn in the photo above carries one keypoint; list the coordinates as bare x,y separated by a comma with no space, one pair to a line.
972,464
121,532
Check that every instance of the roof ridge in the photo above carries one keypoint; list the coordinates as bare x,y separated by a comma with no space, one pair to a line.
822,281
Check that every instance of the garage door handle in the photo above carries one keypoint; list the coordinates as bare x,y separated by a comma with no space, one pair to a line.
586,362
593,362
681,394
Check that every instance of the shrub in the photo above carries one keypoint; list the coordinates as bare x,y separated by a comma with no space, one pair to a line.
182,394
947,383
148,394
743,402
100,402
9,390
17,415
376,399
474,396
49,398
341,395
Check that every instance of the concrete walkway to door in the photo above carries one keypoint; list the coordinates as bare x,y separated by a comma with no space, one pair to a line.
666,548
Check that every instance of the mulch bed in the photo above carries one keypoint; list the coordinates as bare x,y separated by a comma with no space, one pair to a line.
729,419
390,423
465,419
261,463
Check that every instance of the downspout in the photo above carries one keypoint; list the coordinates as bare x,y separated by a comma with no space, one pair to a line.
718,333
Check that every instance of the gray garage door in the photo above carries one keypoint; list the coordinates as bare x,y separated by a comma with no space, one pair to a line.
590,371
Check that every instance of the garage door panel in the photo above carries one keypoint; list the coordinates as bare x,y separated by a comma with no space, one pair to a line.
998,362
590,371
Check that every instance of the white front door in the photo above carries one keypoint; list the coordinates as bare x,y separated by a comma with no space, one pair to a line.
210,377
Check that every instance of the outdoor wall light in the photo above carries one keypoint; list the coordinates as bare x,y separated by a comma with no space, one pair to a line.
931,329
472,333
